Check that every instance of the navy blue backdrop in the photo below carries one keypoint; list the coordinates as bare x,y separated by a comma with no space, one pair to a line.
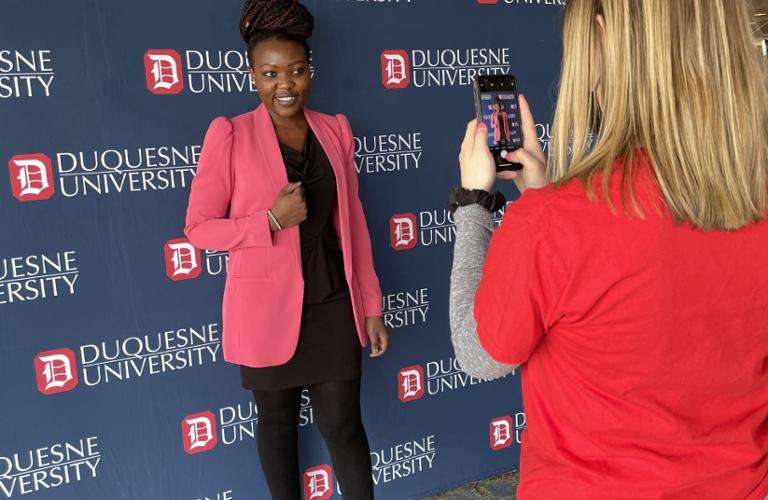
113,386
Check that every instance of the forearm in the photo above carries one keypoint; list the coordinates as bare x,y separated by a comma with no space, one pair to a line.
362,253
228,234
474,228
362,258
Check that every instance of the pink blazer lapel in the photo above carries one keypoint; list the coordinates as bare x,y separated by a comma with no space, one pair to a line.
266,143
334,151
331,146
266,139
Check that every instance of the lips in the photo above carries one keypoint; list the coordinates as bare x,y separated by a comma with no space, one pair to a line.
286,99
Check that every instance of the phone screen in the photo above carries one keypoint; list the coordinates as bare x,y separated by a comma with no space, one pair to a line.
501,115
499,109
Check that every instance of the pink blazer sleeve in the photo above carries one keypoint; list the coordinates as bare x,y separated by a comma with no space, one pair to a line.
362,255
207,224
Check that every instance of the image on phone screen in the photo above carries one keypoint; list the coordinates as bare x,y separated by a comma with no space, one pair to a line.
501,114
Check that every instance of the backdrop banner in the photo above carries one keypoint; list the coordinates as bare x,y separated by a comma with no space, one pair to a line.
114,386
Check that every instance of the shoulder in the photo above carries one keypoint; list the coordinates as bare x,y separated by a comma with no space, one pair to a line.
244,119
338,123
219,129
344,124
221,122
552,218
538,205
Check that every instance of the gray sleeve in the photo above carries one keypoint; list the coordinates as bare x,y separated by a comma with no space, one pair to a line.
474,227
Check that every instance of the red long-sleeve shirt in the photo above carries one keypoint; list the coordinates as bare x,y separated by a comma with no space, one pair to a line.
644,347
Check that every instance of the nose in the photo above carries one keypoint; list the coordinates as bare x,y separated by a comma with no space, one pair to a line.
285,82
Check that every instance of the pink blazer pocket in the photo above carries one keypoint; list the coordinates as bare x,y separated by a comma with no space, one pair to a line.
249,262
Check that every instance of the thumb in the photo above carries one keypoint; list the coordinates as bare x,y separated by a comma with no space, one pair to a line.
291,187
375,347
526,159
481,139
534,172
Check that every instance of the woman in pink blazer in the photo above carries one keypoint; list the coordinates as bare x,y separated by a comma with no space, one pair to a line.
277,188
500,123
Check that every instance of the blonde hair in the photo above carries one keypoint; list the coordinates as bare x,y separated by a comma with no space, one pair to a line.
681,79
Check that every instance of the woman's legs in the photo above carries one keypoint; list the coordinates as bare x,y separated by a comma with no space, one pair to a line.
337,411
277,438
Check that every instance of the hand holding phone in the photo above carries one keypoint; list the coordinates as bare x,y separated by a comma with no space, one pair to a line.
530,156
497,106
477,166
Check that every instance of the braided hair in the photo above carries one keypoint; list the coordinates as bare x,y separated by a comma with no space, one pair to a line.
275,20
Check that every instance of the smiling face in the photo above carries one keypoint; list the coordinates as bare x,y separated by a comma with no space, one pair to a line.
280,72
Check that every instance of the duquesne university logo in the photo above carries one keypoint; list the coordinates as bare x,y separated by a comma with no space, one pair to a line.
405,308
31,177
199,432
403,459
388,152
410,383
207,71
501,433
163,71
395,69
231,425
45,468
40,276
71,174
426,228
433,378
129,358
318,482
182,260
441,67
56,371
505,431
403,231
26,73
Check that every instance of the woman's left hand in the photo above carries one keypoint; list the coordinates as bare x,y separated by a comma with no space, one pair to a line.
378,334
478,171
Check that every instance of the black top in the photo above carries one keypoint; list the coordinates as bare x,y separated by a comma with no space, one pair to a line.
321,257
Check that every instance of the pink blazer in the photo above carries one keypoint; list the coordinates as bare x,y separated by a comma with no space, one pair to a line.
238,176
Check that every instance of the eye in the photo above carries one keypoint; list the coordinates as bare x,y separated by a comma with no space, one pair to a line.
298,71
269,74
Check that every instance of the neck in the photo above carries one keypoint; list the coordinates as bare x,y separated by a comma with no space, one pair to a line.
298,121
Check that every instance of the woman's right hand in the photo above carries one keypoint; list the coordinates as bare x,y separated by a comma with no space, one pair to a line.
290,207
531,156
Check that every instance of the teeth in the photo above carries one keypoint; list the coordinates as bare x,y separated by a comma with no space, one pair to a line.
285,100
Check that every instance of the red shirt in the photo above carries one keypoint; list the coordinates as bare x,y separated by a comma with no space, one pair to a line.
644,343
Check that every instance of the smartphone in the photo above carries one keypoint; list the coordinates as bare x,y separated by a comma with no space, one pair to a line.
498,106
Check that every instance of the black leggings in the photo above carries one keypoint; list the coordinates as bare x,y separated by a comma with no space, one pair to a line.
336,408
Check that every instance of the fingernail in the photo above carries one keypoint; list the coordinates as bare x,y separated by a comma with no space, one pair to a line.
482,126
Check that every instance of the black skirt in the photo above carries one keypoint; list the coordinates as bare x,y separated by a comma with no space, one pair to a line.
328,351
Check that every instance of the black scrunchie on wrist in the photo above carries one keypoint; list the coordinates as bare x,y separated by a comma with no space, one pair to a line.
461,197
